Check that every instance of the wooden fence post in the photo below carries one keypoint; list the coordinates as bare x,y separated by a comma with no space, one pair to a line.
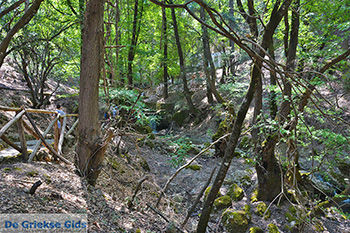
22,139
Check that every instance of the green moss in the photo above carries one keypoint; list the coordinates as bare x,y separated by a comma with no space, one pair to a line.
180,116
17,169
150,144
235,221
255,230
207,191
261,208
235,192
254,197
236,154
222,129
194,167
47,179
222,202
151,136
33,173
272,228
247,209
318,226
138,230
7,169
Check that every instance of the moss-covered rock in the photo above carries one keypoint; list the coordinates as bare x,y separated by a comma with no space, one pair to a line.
235,221
272,228
222,202
194,167
33,173
180,116
255,230
254,197
261,208
207,191
235,192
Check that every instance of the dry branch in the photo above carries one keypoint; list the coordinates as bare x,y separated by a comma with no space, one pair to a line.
184,166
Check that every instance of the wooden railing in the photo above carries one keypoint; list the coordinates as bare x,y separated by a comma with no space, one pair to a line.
59,134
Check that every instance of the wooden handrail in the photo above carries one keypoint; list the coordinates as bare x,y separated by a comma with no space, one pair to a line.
17,117
31,110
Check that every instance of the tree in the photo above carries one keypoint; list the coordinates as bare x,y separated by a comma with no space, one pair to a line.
182,63
164,42
27,16
134,38
89,149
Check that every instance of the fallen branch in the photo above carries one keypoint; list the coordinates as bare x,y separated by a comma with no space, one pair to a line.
5,139
184,166
200,194
162,215
130,203
34,187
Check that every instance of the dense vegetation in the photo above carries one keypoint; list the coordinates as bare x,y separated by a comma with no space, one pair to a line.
288,59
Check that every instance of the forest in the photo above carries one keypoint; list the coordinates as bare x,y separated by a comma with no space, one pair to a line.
145,116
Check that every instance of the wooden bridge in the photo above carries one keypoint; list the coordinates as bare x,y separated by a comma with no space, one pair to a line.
22,126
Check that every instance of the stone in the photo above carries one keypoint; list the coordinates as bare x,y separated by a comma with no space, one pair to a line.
222,202
235,221
235,192
261,209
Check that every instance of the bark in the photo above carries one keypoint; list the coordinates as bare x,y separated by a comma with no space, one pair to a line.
269,174
91,63
182,63
28,15
210,64
165,53
134,38
231,68
273,79
275,19
11,8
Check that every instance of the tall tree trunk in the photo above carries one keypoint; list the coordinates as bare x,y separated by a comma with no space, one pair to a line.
273,79
182,63
231,68
132,48
269,175
209,60
28,15
91,64
165,53
276,16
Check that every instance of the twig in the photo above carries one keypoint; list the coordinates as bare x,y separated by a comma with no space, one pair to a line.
165,218
130,203
200,194
34,187
184,166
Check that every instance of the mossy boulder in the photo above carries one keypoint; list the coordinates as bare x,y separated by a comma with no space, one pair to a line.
261,208
180,116
255,230
235,221
194,167
254,197
235,192
207,191
222,202
272,228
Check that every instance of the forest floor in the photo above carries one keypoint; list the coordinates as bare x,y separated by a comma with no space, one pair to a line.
140,158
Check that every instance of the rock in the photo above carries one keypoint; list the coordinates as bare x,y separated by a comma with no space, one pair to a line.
261,208
222,202
272,228
255,230
235,192
235,221
180,116
206,193
194,167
